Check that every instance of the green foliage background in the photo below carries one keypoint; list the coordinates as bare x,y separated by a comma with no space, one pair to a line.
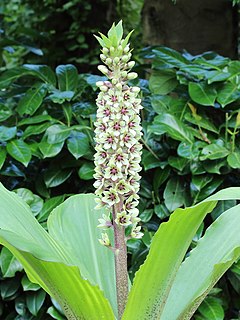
191,123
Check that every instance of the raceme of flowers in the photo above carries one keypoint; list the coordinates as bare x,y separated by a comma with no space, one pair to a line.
117,135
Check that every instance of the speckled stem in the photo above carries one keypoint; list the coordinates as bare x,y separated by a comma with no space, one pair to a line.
120,264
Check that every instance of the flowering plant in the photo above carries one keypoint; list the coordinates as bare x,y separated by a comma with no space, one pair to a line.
89,279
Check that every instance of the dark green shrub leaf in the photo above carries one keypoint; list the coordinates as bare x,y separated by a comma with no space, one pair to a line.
211,309
162,82
49,205
228,93
43,72
5,112
50,150
173,127
32,99
35,130
9,264
214,166
35,119
160,103
177,162
55,177
214,151
217,76
149,161
67,77
161,211
20,306
35,301
174,194
10,76
28,285
55,314
9,288
7,133
160,176
202,93
86,171
61,96
20,151
57,133
233,160
78,144
3,154
146,215
171,57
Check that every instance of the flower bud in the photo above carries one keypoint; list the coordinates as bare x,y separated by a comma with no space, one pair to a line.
104,88
112,50
105,51
132,75
116,60
103,69
124,74
131,64
119,86
125,58
99,83
108,61
102,57
126,49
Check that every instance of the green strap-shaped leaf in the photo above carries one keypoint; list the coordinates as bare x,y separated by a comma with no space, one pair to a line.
214,254
154,280
48,262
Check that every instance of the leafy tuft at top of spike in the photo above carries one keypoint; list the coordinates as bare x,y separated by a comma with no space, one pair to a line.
114,37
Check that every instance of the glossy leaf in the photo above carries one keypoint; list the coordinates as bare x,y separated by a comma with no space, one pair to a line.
32,99
3,155
9,264
214,151
233,160
50,150
173,127
202,93
156,276
174,194
10,76
43,72
86,171
211,309
7,133
35,301
228,93
56,176
67,77
57,133
162,83
78,144
20,151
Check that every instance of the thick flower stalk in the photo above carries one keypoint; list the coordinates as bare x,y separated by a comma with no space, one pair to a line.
118,151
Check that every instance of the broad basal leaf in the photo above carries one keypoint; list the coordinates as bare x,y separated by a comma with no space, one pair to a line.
214,254
51,262
156,276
